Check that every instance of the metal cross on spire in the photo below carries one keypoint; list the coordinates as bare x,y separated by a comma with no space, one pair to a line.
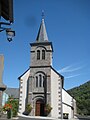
43,14
42,34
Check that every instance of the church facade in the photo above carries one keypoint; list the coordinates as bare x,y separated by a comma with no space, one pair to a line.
41,86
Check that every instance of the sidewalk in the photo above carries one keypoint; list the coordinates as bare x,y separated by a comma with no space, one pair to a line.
24,117
43,118
36,117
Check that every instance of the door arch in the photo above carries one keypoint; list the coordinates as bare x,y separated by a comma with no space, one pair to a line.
39,107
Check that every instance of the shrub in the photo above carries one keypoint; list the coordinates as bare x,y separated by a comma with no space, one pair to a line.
13,105
48,109
28,109
8,107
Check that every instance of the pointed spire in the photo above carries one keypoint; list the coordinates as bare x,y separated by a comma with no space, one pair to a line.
42,34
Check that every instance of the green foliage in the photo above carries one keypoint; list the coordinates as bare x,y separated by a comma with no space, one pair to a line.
14,103
28,108
48,108
82,96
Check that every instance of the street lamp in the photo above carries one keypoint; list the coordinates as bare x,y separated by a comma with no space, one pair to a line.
10,34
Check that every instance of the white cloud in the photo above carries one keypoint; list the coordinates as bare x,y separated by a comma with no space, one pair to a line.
71,76
64,69
70,68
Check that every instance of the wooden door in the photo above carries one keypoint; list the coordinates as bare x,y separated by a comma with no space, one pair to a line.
39,108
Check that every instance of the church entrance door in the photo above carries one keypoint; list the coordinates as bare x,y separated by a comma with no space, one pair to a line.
39,107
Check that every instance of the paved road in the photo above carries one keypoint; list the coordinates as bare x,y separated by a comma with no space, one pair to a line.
21,118
32,119
24,118
52,119
84,118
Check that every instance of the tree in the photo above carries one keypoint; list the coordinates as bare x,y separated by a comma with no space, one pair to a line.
82,96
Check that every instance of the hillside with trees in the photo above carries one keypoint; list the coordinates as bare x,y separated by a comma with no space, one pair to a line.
82,96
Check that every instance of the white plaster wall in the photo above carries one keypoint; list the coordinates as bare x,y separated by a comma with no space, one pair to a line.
66,98
67,103
23,91
54,94
67,109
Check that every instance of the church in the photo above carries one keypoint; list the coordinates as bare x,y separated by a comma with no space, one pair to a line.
41,86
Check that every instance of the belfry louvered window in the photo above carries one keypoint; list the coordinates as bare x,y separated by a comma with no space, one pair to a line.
38,54
43,54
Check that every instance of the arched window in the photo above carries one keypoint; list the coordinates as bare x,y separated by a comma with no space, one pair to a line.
43,54
38,54
40,81
36,81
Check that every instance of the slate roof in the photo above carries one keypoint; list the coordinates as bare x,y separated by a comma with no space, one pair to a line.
13,92
42,34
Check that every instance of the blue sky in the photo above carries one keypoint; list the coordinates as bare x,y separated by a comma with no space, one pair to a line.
68,28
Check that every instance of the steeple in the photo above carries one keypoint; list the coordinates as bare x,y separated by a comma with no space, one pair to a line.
42,34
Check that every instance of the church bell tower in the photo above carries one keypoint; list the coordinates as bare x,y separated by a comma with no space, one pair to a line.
39,86
41,49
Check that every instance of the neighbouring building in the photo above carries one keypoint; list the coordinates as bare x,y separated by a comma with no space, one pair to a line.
10,92
2,86
42,85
